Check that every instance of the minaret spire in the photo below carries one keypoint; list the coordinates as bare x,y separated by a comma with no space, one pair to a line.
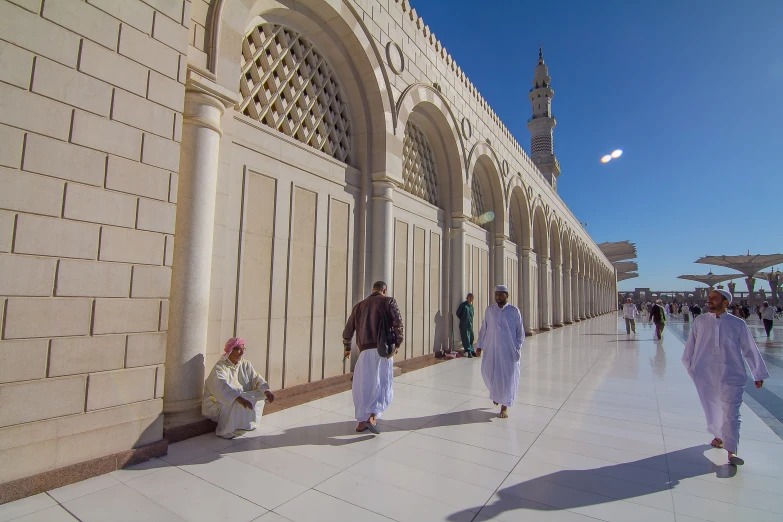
542,123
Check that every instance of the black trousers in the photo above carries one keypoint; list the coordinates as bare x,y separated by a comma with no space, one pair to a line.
768,326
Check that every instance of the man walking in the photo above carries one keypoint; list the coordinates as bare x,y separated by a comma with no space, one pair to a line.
629,314
767,315
465,316
500,339
658,317
373,375
713,357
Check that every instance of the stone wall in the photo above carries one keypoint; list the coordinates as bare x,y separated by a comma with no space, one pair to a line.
91,98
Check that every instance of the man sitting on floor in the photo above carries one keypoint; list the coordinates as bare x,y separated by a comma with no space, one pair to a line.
234,393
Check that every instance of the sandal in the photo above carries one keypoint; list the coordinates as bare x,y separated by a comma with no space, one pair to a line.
736,461
717,443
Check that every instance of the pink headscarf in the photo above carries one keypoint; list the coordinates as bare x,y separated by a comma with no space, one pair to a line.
230,345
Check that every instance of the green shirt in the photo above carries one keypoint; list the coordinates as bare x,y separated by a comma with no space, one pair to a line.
465,314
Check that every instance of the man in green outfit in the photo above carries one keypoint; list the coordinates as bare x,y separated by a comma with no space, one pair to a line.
465,315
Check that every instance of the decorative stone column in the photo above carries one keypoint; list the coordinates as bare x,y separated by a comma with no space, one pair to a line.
582,297
568,312
557,292
458,291
545,291
502,245
527,290
382,248
205,103
575,295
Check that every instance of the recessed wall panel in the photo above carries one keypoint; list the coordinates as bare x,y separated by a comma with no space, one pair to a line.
438,320
419,293
300,288
336,287
255,272
401,279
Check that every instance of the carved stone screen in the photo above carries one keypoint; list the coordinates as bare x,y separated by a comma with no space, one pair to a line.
418,165
288,85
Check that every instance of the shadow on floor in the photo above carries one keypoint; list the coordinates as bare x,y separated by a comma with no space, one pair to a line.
344,433
570,489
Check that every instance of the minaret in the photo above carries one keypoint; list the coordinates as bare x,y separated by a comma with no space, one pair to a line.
542,123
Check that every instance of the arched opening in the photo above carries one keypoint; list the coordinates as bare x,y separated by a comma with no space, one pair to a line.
488,221
296,163
556,260
568,316
542,267
520,235
423,209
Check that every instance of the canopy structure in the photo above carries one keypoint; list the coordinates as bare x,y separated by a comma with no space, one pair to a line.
626,266
618,250
620,253
748,264
710,279
774,277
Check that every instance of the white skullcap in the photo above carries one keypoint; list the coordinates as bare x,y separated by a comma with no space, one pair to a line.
725,293
501,288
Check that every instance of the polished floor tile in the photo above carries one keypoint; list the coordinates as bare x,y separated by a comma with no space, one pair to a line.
603,428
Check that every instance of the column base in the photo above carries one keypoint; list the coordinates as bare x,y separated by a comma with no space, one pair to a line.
528,333
181,413
583,318
568,322
558,325
544,329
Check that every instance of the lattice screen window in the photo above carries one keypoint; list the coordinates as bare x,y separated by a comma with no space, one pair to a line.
418,165
287,84
511,227
476,199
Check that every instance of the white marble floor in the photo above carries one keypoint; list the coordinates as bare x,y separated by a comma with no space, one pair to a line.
606,427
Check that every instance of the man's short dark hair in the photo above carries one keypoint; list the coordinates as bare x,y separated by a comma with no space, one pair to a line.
378,286
469,295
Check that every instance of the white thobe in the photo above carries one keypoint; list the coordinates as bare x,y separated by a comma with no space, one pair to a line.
372,390
500,339
713,357
225,383
630,311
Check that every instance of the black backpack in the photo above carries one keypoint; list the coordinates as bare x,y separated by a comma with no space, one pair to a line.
386,338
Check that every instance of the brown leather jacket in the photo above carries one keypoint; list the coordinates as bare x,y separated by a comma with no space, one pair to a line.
364,321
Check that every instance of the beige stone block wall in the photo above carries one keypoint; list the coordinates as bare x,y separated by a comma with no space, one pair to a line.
90,123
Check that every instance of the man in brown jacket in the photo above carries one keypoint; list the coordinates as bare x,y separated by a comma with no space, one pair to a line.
373,375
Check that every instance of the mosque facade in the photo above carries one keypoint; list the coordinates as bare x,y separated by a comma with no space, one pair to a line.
178,172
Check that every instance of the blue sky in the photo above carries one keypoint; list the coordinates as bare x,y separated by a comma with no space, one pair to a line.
691,90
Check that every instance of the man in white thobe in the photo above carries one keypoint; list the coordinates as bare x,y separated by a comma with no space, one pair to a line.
629,314
713,357
373,375
500,338
234,393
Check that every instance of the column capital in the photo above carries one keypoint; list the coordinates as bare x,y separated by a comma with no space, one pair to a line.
201,94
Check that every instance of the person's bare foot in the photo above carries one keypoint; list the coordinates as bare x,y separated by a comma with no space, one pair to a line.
504,412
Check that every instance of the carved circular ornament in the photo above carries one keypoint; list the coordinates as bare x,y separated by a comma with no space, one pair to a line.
467,129
395,58
504,166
